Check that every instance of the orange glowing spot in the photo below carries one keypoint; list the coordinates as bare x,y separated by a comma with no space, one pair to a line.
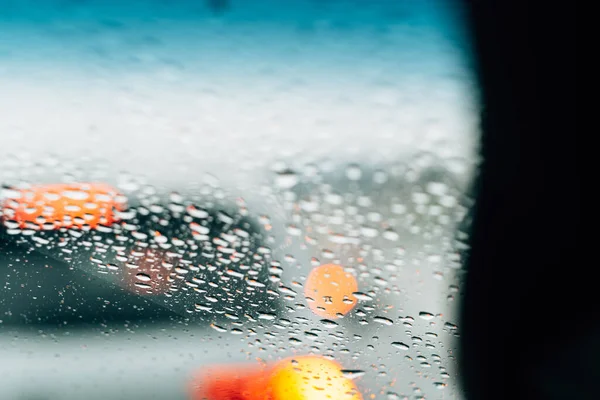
231,382
311,378
66,205
329,291
294,378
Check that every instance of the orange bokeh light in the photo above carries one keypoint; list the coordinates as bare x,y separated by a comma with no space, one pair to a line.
311,378
294,378
64,205
231,382
329,291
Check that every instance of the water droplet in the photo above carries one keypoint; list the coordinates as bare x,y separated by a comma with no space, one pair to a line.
295,341
437,188
426,315
311,335
369,232
420,198
267,316
143,277
362,296
293,230
218,328
380,177
450,326
286,179
329,323
287,291
334,199
197,212
353,172
391,235
353,373
395,396
400,345
448,201
380,281
383,320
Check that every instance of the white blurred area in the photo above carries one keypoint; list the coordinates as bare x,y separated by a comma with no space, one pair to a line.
173,100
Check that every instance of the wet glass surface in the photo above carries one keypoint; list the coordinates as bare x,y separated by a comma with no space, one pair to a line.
244,146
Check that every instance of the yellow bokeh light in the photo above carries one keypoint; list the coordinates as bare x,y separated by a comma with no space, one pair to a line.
311,378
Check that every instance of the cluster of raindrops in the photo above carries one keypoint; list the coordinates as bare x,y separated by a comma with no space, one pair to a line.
391,232
195,255
338,268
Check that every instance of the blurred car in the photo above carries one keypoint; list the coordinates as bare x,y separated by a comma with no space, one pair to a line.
154,251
